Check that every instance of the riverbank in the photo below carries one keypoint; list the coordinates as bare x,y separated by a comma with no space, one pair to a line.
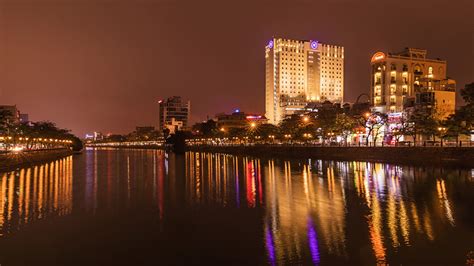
11,161
425,156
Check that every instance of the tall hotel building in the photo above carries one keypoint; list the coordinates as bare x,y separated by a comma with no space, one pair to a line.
298,72
399,79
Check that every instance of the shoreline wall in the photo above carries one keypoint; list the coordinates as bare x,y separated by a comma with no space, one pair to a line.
11,161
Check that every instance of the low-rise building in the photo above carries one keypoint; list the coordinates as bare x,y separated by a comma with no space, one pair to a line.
239,120
24,118
399,78
438,96
10,113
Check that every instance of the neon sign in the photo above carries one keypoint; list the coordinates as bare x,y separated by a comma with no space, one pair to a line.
270,44
378,56
313,44
253,117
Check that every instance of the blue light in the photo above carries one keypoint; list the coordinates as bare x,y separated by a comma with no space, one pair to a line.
236,111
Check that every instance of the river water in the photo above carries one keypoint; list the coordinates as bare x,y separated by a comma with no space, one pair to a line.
146,207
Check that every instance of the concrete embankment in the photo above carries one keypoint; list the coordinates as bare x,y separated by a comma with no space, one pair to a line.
11,161
428,156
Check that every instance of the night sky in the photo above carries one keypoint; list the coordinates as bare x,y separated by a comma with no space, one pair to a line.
102,65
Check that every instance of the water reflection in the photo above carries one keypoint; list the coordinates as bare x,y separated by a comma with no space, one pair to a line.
308,211
306,203
35,193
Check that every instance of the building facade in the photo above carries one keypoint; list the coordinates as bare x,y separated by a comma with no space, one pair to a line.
238,120
398,79
174,112
298,72
10,113
437,96
24,118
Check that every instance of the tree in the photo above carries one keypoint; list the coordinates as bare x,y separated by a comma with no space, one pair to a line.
116,138
267,130
424,123
463,119
326,121
344,125
373,124
468,94
290,126
209,128
404,128
460,123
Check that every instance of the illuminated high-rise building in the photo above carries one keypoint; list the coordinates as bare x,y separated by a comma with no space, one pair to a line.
298,72
174,114
398,79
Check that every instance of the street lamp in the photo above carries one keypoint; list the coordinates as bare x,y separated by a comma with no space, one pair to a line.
441,133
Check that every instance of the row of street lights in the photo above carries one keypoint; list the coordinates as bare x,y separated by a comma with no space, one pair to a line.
9,138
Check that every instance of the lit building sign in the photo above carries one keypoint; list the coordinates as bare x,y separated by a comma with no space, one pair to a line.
378,56
253,117
270,44
313,45
395,118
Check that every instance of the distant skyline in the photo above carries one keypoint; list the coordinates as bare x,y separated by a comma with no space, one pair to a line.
102,65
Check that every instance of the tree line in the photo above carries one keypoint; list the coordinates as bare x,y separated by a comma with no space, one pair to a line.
34,135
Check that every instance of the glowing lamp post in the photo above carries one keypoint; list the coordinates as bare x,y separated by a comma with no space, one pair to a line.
442,131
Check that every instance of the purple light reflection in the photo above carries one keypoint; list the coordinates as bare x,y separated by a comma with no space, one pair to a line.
313,242
270,245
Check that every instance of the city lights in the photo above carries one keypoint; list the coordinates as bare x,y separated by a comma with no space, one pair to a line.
293,151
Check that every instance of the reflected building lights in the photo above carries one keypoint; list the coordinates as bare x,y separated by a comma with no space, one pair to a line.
306,207
30,194
444,202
